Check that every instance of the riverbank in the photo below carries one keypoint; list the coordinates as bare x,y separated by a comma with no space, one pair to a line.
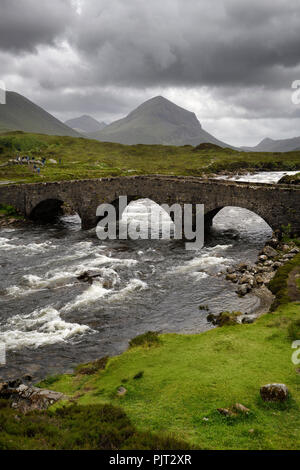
175,384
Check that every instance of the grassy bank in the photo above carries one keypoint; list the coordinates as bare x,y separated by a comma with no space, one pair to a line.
83,158
174,385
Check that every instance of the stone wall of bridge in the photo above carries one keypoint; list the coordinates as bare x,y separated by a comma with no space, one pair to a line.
277,204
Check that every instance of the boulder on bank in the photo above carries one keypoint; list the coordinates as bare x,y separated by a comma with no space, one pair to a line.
274,392
224,318
26,398
269,252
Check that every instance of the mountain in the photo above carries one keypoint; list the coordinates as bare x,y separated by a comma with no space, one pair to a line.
85,124
270,145
157,121
21,114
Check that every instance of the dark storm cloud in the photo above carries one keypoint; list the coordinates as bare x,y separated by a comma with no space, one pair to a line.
106,56
24,24
193,42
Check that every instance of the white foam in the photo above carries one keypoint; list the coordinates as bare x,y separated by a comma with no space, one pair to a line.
204,262
96,291
39,328
132,286
262,177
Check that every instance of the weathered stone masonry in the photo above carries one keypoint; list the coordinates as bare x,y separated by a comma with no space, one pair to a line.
277,204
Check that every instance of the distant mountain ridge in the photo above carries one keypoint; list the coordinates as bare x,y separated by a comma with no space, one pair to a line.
271,145
85,124
21,114
157,121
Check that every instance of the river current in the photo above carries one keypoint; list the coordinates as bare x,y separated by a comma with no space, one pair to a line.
50,321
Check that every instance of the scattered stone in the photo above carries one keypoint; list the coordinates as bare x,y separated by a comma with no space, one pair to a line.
205,419
259,280
274,392
230,270
262,258
288,256
121,391
25,398
242,267
249,319
273,242
211,318
241,408
242,290
232,277
226,412
269,252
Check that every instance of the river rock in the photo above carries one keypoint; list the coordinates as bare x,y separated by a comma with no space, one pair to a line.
273,242
288,256
232,277
269,252
277,265
262,258
274,392
295,250
259,280
242,267
242,289
230,270
249,319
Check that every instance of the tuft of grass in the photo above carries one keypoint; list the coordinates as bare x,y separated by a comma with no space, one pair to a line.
92,367
147,340
294,330
139,375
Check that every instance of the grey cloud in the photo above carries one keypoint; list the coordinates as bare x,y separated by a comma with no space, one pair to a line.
24,24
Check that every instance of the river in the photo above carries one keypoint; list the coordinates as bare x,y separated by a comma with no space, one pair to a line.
50,321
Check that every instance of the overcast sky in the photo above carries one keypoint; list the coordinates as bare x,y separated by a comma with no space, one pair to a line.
232,62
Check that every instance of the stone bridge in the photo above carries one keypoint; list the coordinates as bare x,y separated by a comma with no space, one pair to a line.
277,204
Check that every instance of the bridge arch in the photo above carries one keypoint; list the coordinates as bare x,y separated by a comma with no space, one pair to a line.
50,210
210,215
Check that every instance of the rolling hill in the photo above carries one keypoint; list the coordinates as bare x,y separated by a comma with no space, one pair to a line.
157,121
85,124
271,145
21,114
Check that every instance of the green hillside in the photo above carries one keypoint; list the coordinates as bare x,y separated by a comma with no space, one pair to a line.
157,121
83,158
19,113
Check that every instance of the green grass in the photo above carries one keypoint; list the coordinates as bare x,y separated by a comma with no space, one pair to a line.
83,158
188,377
